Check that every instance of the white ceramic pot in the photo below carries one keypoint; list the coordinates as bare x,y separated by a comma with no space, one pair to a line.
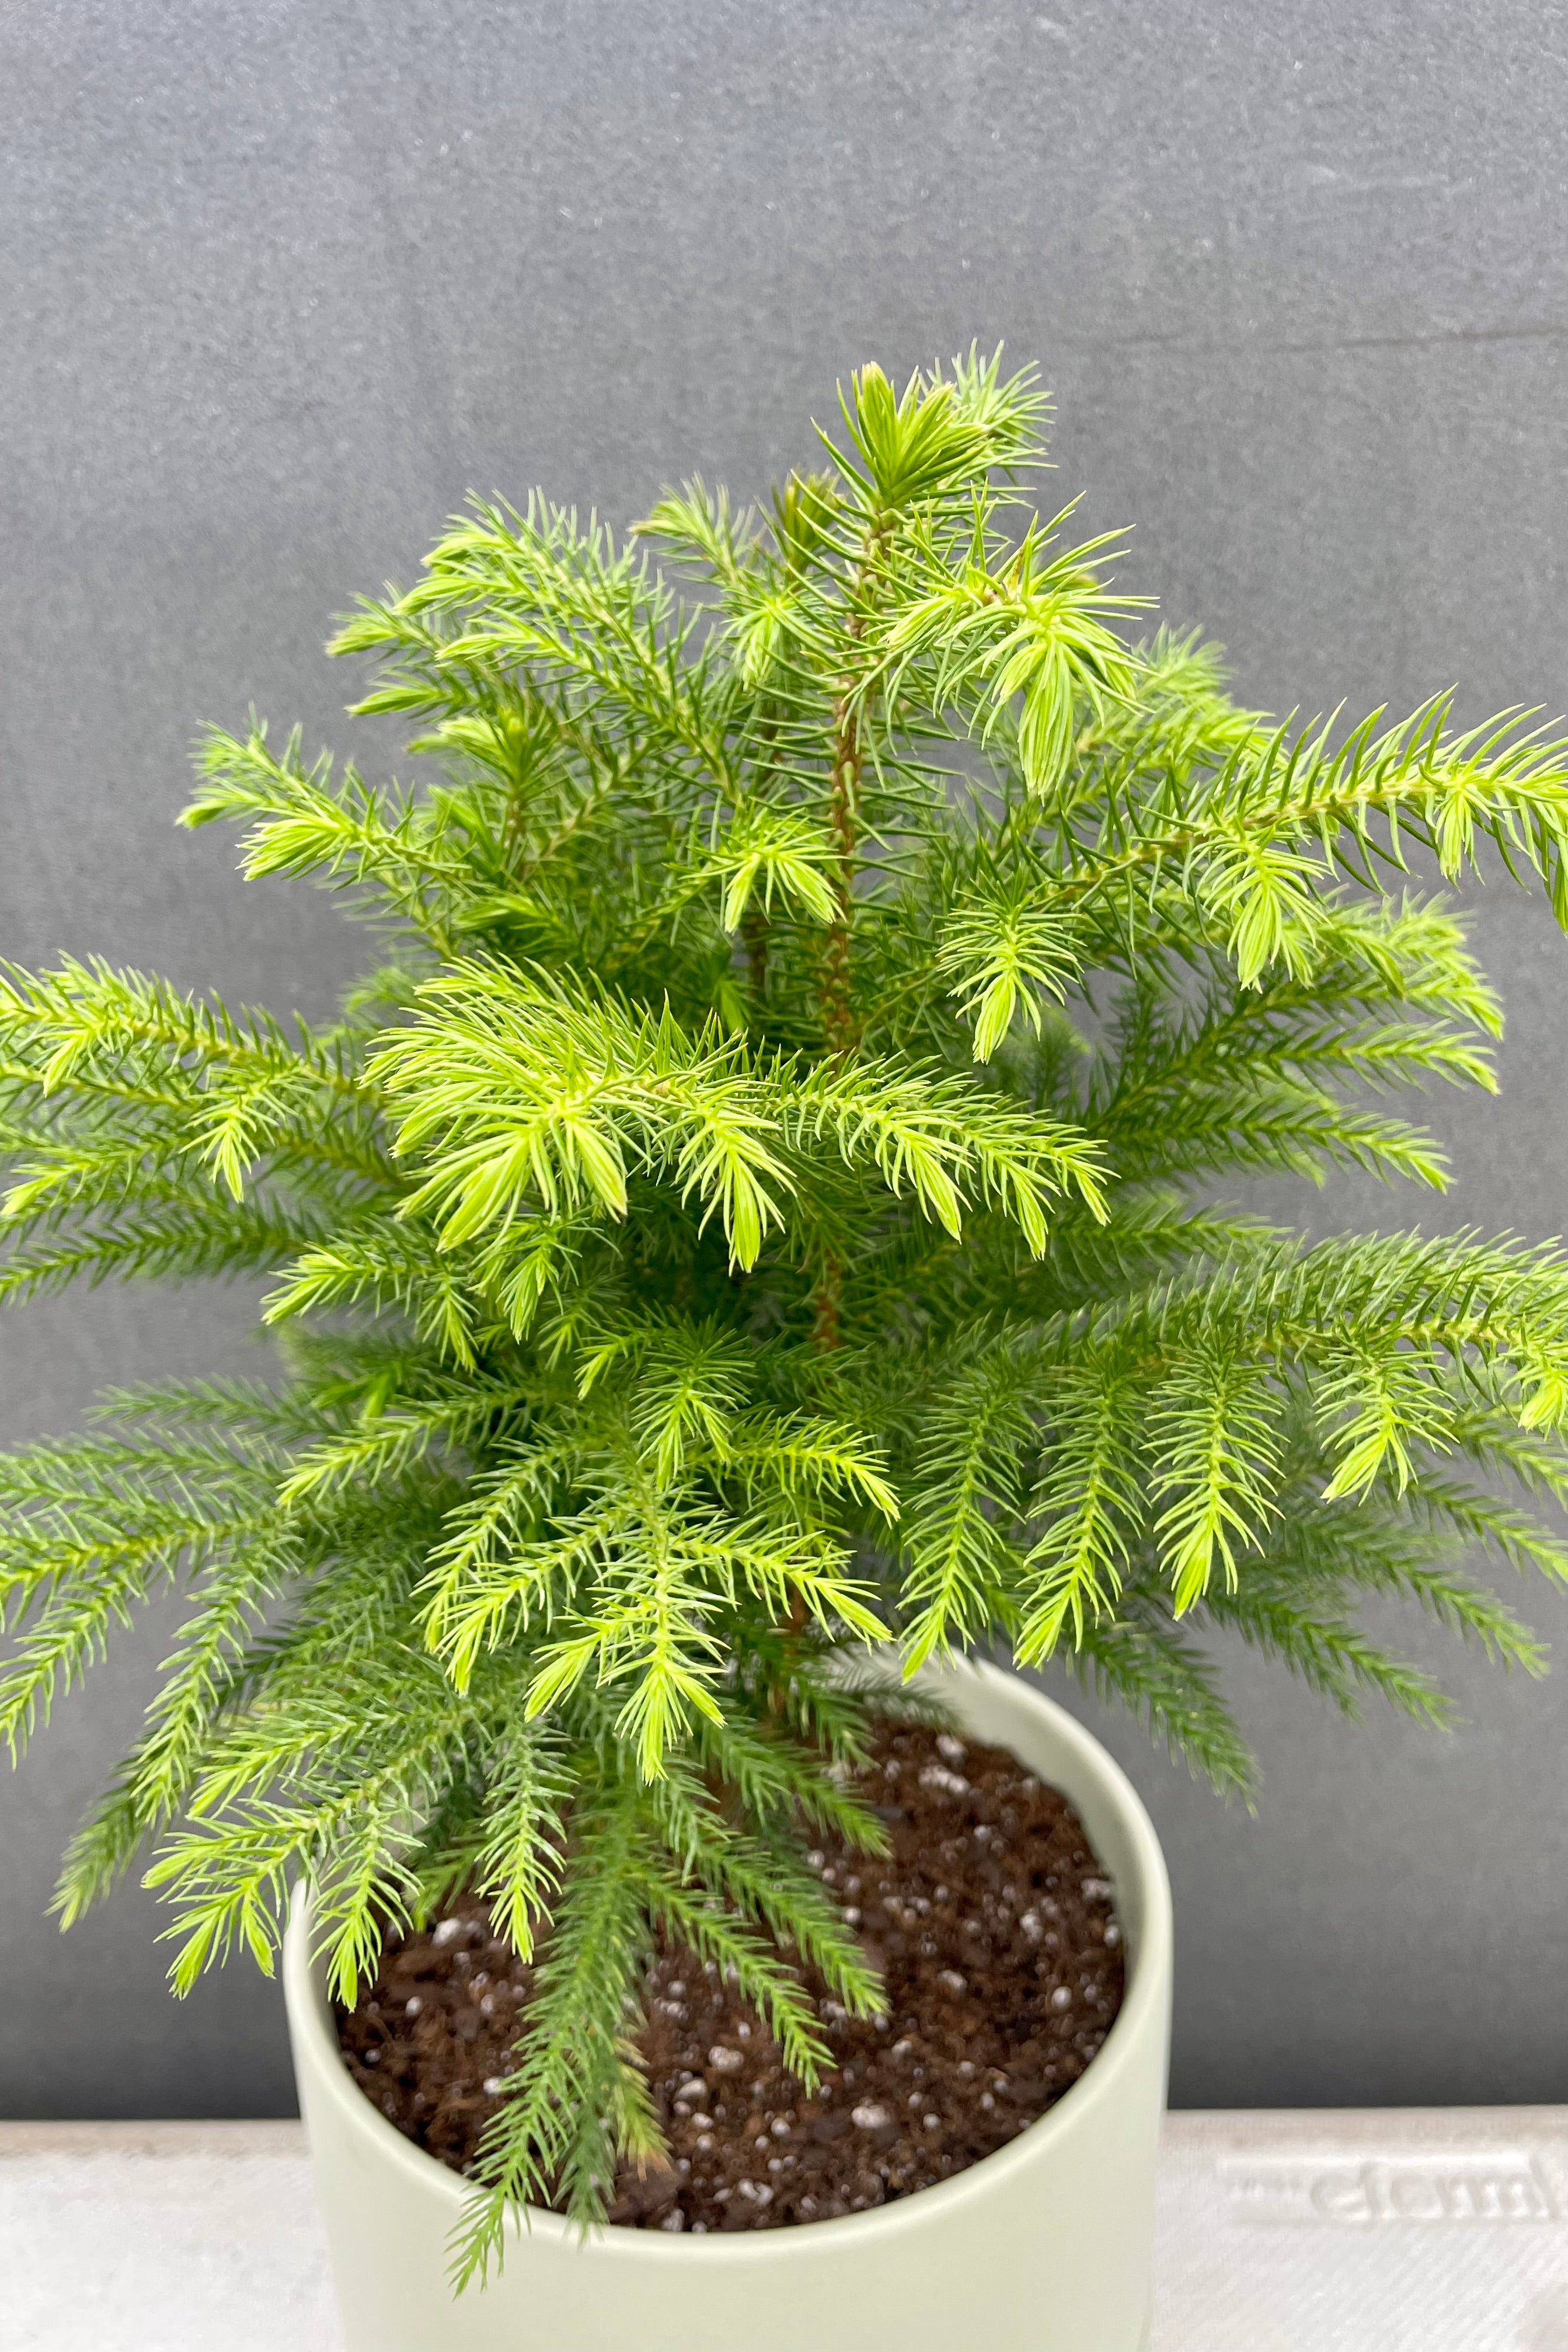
1047,2246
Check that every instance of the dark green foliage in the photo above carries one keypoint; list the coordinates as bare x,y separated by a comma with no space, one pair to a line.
759,1214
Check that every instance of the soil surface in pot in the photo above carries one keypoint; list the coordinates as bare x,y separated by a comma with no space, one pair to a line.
991,1921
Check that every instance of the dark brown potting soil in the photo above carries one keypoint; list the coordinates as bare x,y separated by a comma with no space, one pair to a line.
1001,1953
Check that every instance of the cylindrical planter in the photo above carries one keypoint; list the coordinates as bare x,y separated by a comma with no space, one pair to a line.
1047,2246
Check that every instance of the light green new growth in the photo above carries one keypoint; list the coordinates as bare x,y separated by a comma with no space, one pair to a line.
760,1211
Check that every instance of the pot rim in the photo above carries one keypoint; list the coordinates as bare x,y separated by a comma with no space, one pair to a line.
309,2018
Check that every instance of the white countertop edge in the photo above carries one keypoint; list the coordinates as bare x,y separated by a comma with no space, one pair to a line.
1307,2229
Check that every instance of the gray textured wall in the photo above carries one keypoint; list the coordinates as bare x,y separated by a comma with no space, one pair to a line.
283,277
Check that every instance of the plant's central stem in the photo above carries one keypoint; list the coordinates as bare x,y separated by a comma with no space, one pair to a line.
839,1030
843,815
839,1027
825,1304
754,938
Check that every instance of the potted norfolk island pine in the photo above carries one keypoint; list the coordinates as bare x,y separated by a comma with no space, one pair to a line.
748,1245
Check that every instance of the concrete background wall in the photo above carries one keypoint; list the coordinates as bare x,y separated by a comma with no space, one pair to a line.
282,278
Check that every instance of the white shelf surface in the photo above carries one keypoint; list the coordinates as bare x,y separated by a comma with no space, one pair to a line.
1422,2229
